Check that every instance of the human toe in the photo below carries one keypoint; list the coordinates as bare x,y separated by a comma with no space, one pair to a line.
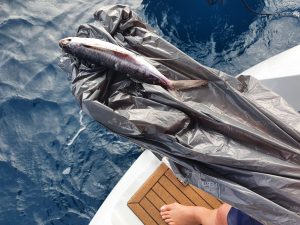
169,220
165,208
166,216
164,213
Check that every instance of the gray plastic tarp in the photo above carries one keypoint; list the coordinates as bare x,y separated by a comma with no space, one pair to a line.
233,138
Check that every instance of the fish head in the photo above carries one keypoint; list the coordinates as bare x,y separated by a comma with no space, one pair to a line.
69,44
78,46
64,42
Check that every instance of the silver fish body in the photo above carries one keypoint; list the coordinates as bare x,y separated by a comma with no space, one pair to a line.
119,59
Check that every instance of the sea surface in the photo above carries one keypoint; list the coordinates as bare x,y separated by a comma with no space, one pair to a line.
56,164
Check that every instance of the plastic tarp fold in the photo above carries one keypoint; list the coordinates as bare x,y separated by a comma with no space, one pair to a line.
233,138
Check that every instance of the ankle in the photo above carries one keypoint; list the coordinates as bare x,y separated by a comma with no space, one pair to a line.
199,213
222,213
206,216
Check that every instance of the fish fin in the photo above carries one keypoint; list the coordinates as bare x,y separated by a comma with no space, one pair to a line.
161,59
187,84
152,58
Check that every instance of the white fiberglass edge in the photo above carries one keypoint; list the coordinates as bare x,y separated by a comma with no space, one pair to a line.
281,73
114,210
285,64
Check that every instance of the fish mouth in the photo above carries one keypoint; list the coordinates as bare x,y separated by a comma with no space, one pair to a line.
64,42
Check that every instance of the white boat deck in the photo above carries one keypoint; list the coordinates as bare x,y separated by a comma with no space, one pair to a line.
281,73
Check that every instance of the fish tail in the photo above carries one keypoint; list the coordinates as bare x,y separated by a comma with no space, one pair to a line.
187,84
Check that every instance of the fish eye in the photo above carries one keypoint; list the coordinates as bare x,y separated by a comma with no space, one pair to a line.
67,40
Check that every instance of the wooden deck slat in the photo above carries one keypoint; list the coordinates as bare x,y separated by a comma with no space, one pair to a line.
189,192
155,199
165,195
154,212
215,203
142,214
148,184
174,191
161,188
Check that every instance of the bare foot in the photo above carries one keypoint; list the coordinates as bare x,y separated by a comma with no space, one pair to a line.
176,214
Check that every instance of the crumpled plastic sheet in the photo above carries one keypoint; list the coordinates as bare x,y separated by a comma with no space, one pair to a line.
234,138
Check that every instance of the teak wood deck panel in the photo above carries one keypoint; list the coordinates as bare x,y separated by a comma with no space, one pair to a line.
161,188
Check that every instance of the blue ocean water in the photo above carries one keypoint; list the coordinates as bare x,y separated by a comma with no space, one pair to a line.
57,165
